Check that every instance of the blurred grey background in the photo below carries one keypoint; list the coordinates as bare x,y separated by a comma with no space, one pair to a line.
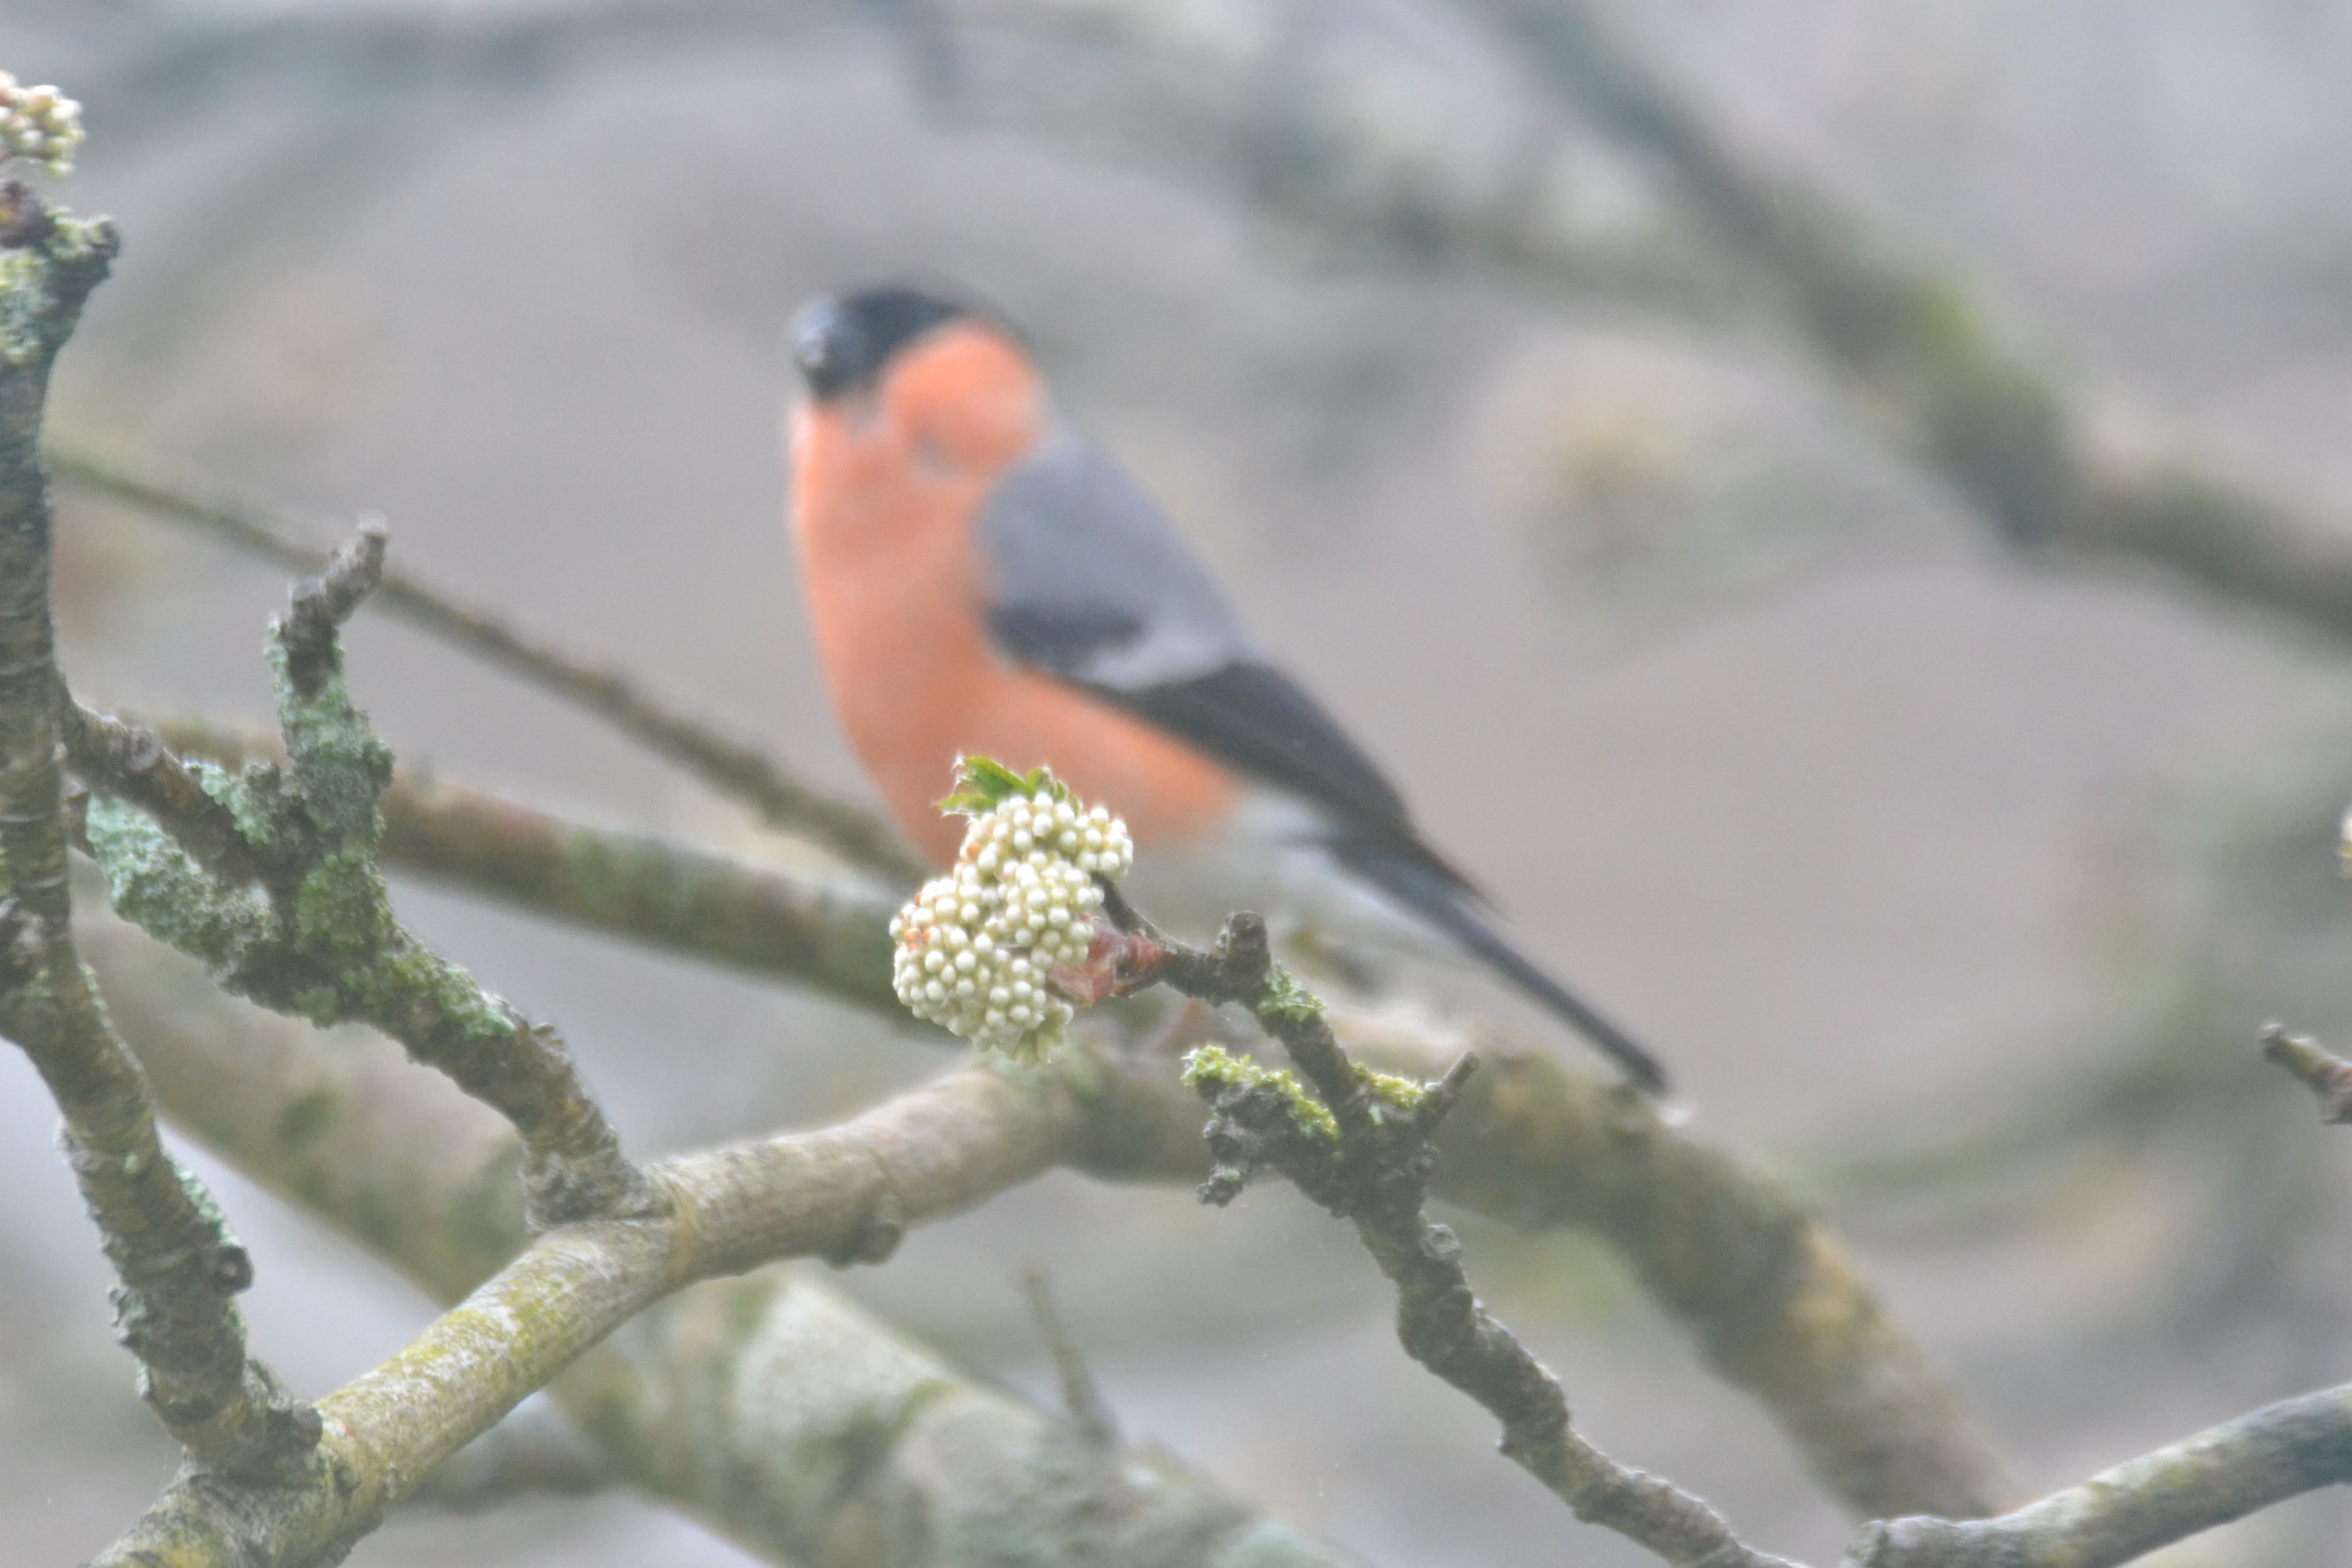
1954,886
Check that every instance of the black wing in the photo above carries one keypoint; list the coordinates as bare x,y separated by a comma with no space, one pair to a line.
1090,584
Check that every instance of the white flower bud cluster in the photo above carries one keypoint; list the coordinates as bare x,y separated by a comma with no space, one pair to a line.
977,947
39,123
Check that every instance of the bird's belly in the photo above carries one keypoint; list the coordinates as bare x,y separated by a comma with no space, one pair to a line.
930,688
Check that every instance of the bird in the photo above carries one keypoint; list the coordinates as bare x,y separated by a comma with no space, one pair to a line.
981,579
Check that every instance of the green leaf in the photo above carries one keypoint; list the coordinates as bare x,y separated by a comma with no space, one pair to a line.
983,784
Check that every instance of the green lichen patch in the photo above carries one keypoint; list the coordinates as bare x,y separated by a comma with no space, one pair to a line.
256,800
1390,1091
42,286
1214,1067
156,885
341,767
342,912
1286,998
410,981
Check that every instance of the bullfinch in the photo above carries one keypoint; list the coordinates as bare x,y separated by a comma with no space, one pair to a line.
981,579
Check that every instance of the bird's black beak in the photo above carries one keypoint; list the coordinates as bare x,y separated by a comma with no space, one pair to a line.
827,347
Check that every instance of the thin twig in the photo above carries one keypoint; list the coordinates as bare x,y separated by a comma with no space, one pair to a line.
1362,1149
2327,1075
1774,1297
309,633
1081,1400
732,767
137,765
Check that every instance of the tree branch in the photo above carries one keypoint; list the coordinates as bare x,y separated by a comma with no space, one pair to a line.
1933,370
179,1264
535,1452
1775,1298
2327,1075
317,936
1360,1149
2224,1473
426,1178
1778,1304
733,768
831,935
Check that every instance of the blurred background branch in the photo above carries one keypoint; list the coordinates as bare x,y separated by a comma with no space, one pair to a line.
728,765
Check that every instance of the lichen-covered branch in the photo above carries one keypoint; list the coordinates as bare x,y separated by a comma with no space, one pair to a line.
829,934
179,1263
316,936
135,765
846,1193
1777,1303
731,767
1361,1147
2224,1473
426,1179
2327,1075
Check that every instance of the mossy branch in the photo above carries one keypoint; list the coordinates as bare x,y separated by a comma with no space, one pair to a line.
312,933
179,1264
424,1177
1776,1300
831,935
1370,1160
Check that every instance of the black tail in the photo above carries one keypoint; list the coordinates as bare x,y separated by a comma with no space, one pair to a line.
1424,888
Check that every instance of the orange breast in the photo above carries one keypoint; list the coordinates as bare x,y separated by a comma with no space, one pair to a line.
886,487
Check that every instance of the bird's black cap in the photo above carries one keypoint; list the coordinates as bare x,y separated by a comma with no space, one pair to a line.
842,342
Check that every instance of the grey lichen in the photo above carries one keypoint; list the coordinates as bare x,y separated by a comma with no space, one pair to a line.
42,286
325,943
157,885
341,767
304,924
256,800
